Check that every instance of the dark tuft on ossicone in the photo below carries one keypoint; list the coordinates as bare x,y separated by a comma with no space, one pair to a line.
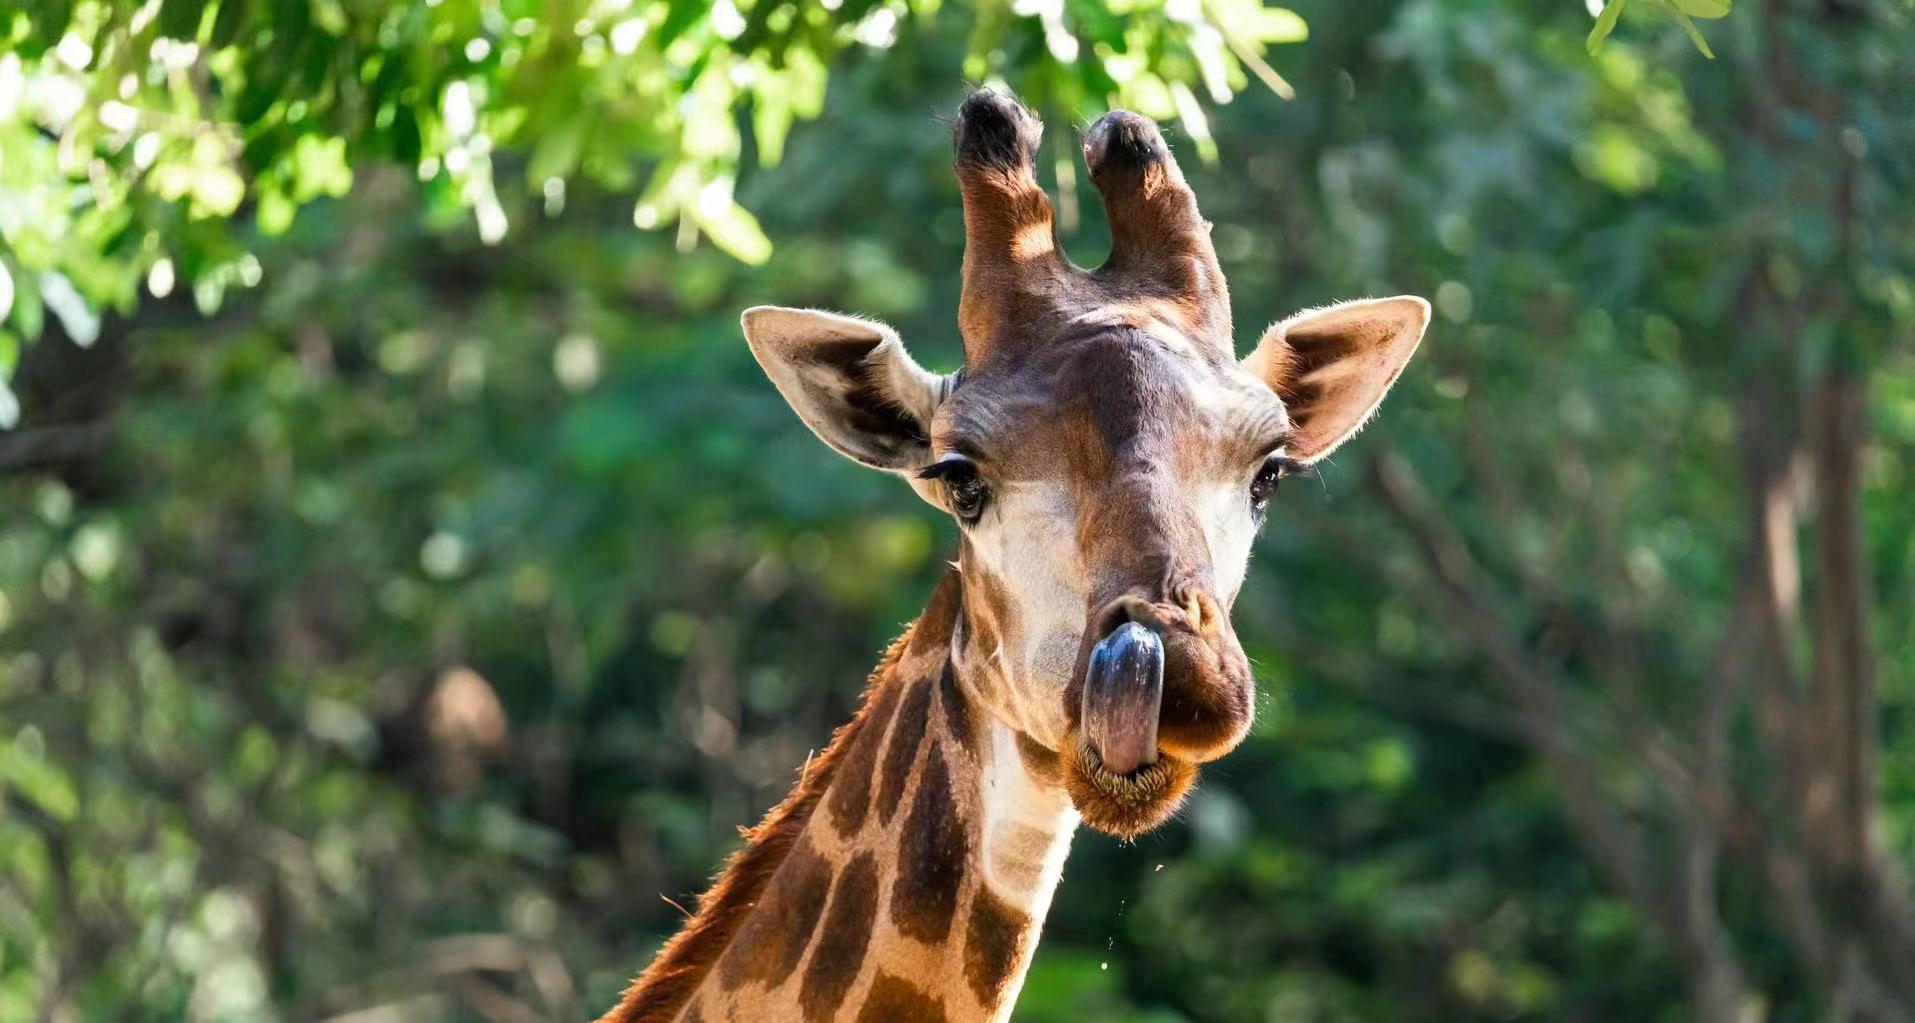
995,130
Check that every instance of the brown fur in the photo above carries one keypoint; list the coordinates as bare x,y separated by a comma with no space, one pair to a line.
773,941
896,1000
1020,873
850,799
1039,759
957,711
1118,412
931,854
1018,285
1124,805
993,945
902,751
658,994
843,940
1110,380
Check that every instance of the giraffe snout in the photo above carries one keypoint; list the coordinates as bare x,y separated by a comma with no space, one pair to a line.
1123,697
1204,697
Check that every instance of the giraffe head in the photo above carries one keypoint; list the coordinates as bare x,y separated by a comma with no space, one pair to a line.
1107,457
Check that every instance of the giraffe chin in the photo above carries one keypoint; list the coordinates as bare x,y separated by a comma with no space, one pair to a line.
1123,805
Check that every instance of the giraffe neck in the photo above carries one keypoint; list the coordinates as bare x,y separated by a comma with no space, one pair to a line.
905,878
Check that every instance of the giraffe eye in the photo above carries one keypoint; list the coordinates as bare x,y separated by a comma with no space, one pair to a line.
967,493
961,481
1264,485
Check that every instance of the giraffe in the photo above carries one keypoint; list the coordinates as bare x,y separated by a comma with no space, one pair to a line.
1108,461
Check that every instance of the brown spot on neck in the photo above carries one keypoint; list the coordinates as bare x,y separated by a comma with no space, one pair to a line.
771,944
842,941
932,851
896,1000
933,631
902,751
993,946
851,796
957,711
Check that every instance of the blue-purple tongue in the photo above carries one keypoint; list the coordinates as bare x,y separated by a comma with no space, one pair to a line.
1123,694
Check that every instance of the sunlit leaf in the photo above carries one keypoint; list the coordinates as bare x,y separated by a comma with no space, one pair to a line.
320,168
274,212
80,321
771,118
556,154
1278,25
266,107
1605,24
1704,8
733,229
1190,113
1689,27
28,314
39,781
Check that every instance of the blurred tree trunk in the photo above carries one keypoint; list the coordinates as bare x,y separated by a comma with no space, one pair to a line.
1791,803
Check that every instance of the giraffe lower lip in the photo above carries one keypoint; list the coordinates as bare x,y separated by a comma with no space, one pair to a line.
1123,697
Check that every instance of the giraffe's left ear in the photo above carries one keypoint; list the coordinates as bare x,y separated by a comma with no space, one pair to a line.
1332,366
851,381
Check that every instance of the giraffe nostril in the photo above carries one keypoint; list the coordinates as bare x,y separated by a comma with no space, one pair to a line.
1133,608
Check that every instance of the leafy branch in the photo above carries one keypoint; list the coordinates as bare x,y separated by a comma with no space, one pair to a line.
1683,11
143,143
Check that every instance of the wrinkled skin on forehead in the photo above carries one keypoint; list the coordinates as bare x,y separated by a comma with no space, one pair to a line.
1107,456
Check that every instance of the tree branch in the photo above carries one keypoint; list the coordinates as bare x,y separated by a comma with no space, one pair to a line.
1682,903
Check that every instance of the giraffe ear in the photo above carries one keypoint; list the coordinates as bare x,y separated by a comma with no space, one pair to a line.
1332,366
851,381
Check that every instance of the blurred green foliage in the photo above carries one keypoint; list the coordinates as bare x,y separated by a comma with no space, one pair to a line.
381,642
132,134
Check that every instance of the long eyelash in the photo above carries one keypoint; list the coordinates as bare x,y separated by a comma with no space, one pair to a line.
939,470
1292,467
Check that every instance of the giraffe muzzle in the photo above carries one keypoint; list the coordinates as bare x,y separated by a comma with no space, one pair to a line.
1123,697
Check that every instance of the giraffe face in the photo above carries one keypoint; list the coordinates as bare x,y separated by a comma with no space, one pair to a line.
1106,457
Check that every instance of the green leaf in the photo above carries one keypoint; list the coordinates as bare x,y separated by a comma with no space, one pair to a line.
1190,114
679,16
1605,24
556,155
274,211
1704,8
179,19
29,316
228,19
320,168
736,231
39,781
771,118
46,30
1695,34
405,138
1279,25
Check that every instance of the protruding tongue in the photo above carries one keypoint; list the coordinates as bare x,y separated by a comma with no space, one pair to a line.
1123,693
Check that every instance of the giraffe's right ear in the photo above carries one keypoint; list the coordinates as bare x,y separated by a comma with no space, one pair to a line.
851,381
